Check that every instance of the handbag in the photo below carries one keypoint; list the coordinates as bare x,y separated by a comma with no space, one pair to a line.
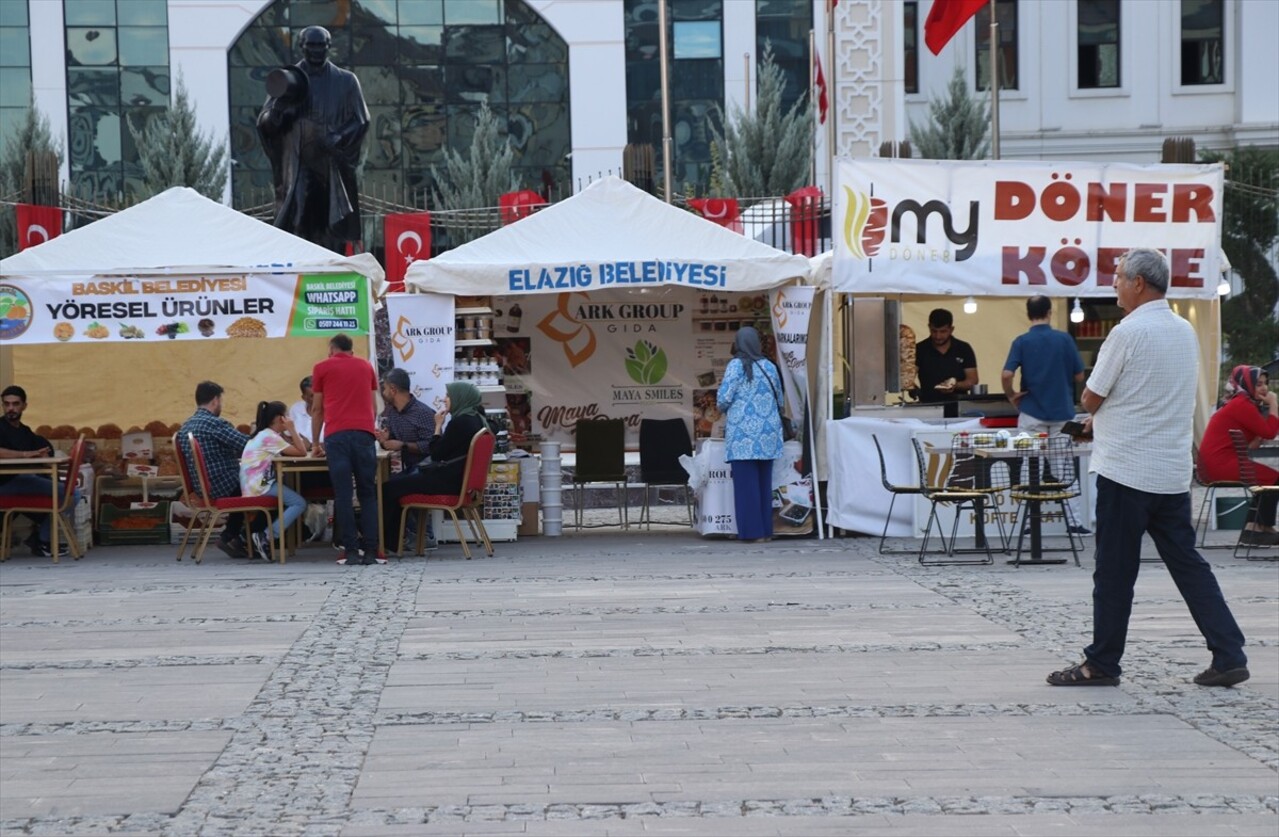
788,426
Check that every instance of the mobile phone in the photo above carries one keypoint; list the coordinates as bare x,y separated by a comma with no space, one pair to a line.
795,514
1075,429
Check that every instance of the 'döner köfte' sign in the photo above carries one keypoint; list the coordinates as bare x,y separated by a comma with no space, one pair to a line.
1019,228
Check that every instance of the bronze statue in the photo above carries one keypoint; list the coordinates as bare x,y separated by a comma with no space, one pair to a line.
311,128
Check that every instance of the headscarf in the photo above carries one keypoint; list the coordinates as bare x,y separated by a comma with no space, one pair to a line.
1243,381
464,399
748,349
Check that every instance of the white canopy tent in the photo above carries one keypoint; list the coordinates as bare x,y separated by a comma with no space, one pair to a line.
178,233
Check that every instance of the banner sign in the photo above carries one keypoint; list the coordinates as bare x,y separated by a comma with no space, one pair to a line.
791,309
120,308
1017,228
422,342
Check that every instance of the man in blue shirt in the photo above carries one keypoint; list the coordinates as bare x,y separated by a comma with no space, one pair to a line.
1050,365
222,445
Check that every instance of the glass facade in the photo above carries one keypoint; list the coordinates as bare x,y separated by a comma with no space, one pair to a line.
117,75
1006,17
1202,45
15,66
425,67
910,43
785,25
696,41
1098,49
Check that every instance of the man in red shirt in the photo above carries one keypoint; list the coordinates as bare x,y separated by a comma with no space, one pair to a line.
344,387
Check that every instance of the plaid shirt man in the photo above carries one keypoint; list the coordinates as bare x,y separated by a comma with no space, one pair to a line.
416,424
222,446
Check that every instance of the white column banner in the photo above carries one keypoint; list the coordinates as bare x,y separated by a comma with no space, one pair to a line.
422,342
792,308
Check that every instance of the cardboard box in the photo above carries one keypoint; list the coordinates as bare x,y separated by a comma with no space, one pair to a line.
530,520
137,447
504,473
140,469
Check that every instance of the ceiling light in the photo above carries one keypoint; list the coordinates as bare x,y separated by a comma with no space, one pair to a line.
1077,313
970,305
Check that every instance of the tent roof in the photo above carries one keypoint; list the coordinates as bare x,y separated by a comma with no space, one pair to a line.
181,231
609,223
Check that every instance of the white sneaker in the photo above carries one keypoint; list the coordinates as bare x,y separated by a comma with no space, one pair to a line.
262,546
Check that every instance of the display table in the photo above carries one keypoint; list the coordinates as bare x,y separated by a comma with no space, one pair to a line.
712,483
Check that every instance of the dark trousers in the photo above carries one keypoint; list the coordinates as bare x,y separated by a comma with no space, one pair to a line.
1262,509
753,498
429,481
353,453
1123,515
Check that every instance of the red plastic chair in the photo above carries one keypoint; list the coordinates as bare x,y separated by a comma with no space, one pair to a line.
43,504
225,505
470,501
202,512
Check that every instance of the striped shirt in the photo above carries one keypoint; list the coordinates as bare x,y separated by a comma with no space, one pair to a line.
416,424
1147,371
222,446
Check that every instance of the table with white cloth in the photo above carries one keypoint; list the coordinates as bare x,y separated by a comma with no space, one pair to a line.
857,500
712,482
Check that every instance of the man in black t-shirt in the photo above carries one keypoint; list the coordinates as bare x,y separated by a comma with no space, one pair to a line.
947,367
17,441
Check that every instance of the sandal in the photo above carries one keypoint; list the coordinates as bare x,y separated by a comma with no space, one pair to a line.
1080,675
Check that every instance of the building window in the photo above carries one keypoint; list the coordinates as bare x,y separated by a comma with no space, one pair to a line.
1006,17
785,25
117,77
910,26
1098,48
425,67
15,67
1202,45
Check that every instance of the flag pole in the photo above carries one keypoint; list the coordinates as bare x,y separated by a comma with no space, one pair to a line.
832,113
746,65
994,84
666,106
812,96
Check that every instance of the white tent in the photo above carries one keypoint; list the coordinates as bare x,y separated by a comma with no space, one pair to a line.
181,231
610,235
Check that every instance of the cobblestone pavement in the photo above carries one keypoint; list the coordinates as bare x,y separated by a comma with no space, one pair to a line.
618,683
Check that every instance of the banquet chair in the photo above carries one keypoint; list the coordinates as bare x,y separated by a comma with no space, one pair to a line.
1248,478
469,501
266,504
895,490
44,504
935,480
1058,483
1210,495
661,443
600,461
202,512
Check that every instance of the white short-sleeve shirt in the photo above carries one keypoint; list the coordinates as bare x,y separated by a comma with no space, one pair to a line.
1148,371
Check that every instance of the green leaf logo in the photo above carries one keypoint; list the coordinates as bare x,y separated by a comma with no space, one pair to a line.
645,363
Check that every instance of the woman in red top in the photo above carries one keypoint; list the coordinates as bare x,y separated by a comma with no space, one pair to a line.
1251,409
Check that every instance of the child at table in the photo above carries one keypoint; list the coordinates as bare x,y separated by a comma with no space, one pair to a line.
257,473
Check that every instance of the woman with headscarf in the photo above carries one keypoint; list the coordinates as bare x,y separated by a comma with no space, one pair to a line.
750,396
445,470
1249,407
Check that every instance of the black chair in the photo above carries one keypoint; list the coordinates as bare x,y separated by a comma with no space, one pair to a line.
1248,478
1055,479
1201,519
661,443
601,461
895,490
936,469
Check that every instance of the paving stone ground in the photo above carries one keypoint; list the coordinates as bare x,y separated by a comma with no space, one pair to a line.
610,683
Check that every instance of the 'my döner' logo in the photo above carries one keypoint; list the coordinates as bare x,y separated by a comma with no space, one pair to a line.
867,217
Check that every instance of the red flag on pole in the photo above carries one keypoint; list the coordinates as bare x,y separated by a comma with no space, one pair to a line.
37,224
947,17
722,211
819,84
408,239
516,205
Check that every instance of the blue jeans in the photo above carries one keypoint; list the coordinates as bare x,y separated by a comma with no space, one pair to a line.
24,484
1123,515
753,498
294,505
353,453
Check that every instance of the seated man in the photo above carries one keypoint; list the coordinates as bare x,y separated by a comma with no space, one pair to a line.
222,446
408,426
300,412
17,441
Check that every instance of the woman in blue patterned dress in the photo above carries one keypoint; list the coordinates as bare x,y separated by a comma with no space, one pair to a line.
750,396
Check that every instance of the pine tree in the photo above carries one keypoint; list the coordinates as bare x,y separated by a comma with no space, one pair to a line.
32,135
173,152
960,125
476,180
768,152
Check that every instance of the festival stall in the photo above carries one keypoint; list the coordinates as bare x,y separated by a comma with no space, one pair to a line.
145,303
608,304
930,234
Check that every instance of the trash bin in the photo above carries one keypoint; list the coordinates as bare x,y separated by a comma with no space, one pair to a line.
1232,512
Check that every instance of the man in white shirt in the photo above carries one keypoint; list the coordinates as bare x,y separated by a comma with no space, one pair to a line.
300,412
1142,398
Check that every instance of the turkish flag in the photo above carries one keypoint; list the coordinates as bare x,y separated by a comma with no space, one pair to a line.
408,239
805,210
819,84
947,17
516,205
37,224
722,211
